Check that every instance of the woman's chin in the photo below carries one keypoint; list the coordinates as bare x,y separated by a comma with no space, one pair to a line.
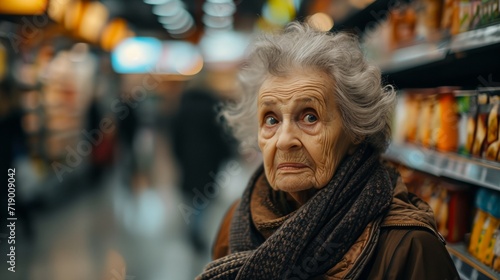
292,184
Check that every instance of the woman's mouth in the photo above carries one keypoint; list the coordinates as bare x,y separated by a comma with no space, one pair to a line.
291,166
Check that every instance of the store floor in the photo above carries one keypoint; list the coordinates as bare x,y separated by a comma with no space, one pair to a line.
120,231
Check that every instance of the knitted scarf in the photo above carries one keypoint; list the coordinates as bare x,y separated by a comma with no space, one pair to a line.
318,234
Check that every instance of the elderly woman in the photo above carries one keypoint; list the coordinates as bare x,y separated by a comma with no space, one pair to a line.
322,206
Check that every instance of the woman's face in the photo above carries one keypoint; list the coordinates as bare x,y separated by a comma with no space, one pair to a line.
300,131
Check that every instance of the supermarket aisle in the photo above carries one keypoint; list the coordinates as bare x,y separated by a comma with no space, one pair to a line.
142,224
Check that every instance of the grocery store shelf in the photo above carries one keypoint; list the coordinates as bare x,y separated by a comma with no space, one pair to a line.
467,59
475,171
413,56
468,267
475,39
359,20
447,50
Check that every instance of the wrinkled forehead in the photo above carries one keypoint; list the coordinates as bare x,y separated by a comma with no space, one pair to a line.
304,87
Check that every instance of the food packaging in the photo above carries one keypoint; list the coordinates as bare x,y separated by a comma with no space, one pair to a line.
412,105
492,233
446,119
456,219
466,102
428,123
479,219
496,251
491,151
481,125
465,15
490,225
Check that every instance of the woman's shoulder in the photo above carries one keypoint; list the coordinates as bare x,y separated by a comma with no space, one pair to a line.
410,253
221,243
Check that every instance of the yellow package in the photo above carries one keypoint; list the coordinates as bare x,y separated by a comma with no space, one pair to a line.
489,227
486,251
479,220
496,252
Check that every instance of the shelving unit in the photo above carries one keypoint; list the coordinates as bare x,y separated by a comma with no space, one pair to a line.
359,20
475,171
467,266
468,60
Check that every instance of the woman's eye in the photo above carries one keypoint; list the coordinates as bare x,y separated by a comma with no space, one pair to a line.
310,118
271,120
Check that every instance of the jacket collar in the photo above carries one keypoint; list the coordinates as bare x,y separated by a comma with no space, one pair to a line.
408,210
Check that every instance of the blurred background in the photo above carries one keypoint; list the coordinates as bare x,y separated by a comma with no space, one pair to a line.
108,114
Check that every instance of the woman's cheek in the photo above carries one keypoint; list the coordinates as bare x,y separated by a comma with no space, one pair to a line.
265,141
267,132
324,150
311,129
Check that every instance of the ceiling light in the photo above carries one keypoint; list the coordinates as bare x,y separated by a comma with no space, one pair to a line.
220,1
156,2
136,55
182,29
113,33
180,23
321,21
278,12
173,19
57,9
217,22
223,46
210,30
170,8
180,57
73,15
33,7
220,9
93,21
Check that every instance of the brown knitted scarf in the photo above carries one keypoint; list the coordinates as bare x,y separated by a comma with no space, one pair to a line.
318,234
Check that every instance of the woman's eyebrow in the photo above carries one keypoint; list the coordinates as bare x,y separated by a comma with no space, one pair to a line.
305,100
310,99
267,102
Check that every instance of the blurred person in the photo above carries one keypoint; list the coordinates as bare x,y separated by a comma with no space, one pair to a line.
127,129
322,205
102,155
200,148
99,111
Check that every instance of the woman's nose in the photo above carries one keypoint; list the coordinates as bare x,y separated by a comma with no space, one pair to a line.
288,136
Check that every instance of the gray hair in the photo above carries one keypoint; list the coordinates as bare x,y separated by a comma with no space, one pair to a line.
365,105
